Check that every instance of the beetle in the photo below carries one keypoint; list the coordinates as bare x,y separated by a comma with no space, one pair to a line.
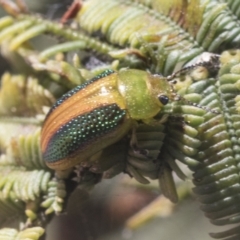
100,112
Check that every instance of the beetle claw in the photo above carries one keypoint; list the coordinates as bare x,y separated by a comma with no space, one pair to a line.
141,151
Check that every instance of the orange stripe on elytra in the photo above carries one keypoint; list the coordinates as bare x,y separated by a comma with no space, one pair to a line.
76,105
99,93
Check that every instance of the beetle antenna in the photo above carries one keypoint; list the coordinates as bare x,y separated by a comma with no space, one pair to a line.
207,109
212,61
207,61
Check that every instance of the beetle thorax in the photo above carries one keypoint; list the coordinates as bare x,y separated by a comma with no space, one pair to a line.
140,91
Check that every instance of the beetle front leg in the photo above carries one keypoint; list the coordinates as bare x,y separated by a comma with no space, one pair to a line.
155,122
135,146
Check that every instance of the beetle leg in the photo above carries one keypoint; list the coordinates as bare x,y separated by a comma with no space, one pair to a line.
163,119
154,122
135,146
84,175
63,174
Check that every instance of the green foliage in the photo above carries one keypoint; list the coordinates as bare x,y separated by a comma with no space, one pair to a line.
29,234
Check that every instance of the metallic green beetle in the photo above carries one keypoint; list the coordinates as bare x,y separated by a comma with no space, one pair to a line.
98,113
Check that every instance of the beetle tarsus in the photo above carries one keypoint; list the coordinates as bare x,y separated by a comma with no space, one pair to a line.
141,151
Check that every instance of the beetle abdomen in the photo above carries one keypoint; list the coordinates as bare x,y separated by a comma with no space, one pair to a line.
83,132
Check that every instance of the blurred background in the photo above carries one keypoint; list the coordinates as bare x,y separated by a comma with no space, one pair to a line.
107,213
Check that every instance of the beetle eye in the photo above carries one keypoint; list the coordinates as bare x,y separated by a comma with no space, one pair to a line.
163,99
